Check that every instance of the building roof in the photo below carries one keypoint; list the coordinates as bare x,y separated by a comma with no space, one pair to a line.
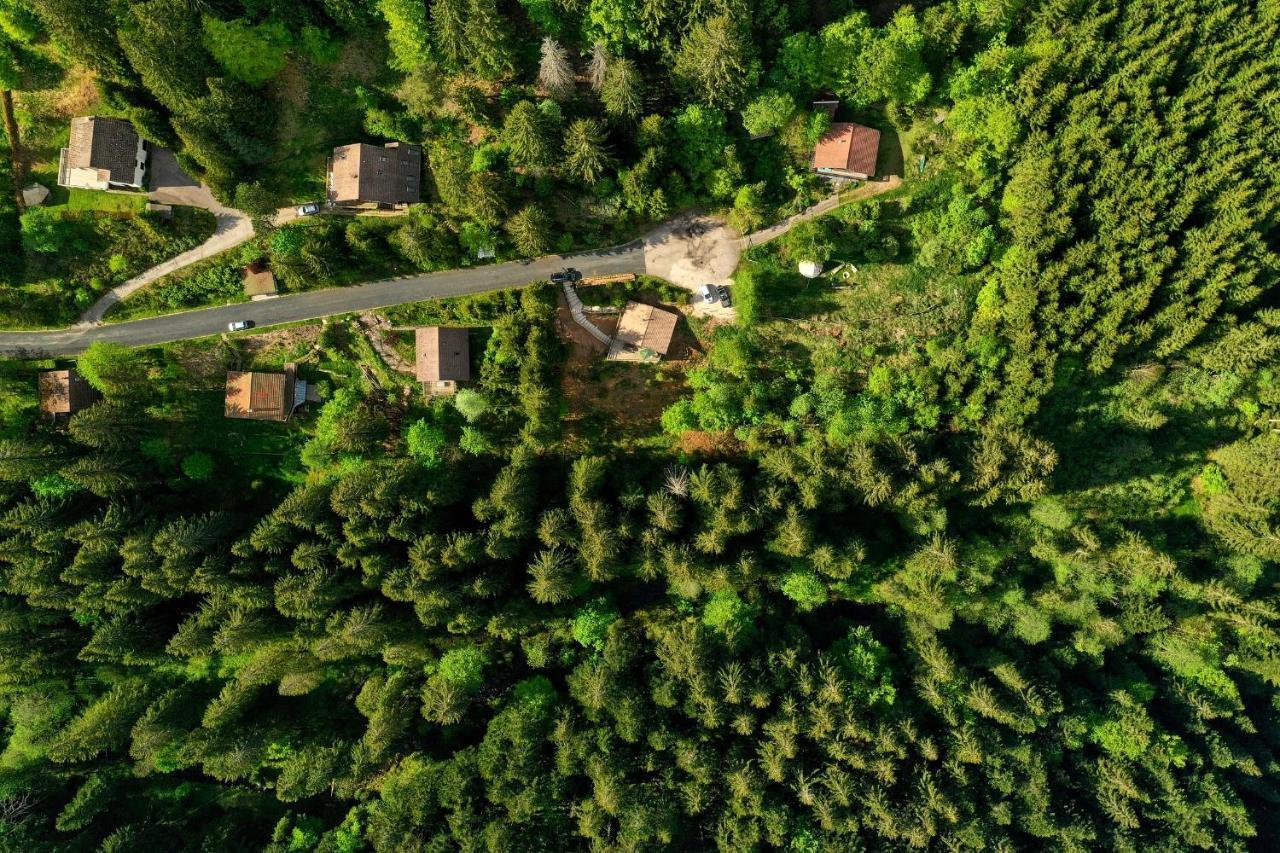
109,144
258,280
259,396
644,331
381,174
848,147
443,354
63,392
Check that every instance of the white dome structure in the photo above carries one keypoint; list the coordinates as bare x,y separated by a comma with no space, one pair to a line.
810,269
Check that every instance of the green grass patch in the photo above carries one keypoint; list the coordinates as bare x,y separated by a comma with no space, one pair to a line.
106,202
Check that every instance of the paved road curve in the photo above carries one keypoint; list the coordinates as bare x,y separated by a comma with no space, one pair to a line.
322,303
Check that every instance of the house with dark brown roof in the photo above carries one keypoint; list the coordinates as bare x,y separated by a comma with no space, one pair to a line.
363,175
258,396
102,153
442,358
644,333
847,150
64,392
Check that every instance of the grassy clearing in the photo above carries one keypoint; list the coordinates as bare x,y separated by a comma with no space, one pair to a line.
106,202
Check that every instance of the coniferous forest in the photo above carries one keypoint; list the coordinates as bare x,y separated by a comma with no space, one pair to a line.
994,570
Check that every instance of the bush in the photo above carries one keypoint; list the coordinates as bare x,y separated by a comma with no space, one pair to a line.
209,284
198,466
679,417
805,588
591,624
49,231
464,667
425,441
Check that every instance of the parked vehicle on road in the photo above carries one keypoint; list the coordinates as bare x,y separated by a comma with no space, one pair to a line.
311,208
565,276
708,293
239,325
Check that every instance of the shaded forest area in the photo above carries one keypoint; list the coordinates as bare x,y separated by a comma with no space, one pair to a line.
995,567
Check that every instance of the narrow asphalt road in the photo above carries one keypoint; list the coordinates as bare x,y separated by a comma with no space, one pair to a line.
686,252
322,303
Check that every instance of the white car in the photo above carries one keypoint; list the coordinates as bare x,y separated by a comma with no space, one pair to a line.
309,209
239,325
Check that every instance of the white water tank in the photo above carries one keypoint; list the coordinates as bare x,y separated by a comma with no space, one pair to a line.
810,269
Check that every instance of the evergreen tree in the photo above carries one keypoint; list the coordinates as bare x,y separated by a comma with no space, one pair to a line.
530,230
715,61
622,93
526,135
555,72
584,150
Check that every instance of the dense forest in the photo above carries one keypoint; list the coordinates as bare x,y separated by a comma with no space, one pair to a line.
996,569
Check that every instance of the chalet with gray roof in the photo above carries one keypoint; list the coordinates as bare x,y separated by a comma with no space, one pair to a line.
102,153
375,176
443,358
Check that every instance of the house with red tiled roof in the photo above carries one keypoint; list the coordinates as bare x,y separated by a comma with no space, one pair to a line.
259,396
847,150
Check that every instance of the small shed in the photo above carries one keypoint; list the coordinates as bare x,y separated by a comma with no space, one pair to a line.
827,102
258,280
34,195
442,358
644,333
64,392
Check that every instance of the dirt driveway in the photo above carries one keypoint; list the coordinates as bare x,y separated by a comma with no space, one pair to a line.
169,184
692,251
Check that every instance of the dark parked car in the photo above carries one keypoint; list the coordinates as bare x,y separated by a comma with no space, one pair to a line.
724,295
566,275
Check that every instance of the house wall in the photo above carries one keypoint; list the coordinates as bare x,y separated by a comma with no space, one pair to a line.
138,170
85,179
843,173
